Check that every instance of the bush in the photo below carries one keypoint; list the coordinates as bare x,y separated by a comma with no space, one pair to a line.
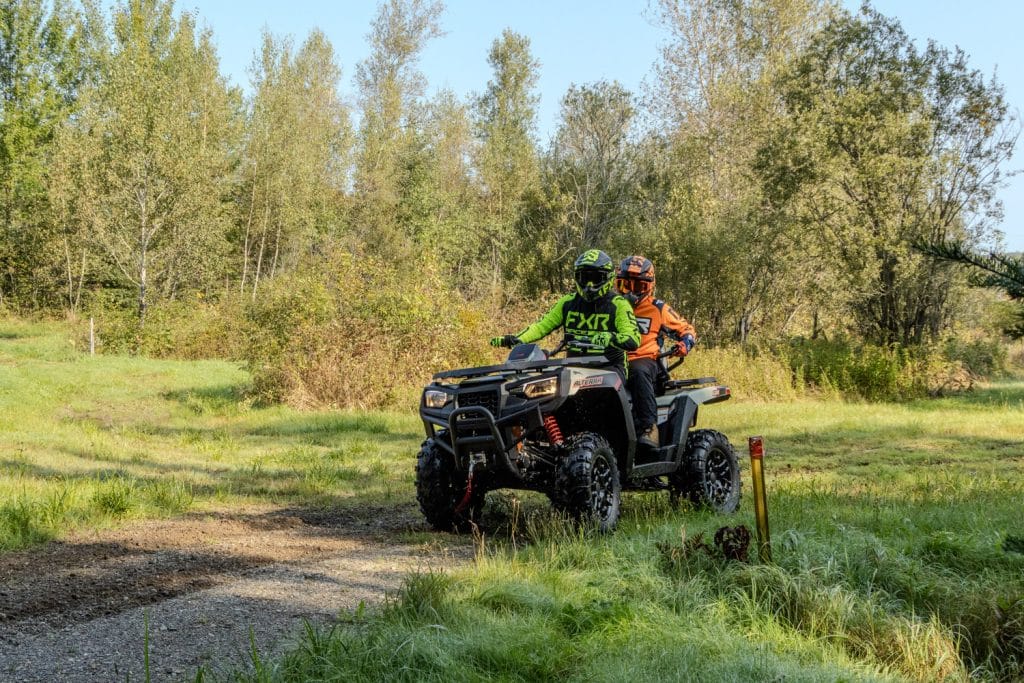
871,372
366,342
750,374
980,356
190,328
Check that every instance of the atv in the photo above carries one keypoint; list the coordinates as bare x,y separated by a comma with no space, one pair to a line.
564,427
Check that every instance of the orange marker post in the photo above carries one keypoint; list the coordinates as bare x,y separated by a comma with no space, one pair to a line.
764,544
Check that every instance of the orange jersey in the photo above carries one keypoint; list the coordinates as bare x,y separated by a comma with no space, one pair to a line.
656,319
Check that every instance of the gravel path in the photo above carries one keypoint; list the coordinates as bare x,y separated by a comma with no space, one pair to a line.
208,584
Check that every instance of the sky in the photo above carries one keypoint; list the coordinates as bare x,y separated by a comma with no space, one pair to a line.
583,41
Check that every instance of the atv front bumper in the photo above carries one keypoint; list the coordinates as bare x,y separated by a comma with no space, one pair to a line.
474,431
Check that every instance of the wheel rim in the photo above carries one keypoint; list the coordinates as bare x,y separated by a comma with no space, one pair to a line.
718,479
601,493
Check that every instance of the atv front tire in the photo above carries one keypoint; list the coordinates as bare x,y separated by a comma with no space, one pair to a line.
709,476
440,488
587,483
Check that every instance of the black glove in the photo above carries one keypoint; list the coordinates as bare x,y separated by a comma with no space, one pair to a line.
508,341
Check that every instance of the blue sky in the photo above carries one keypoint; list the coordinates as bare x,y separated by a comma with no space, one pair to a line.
581,41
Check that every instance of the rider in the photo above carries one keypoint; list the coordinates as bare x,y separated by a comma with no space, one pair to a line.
594,314
657,320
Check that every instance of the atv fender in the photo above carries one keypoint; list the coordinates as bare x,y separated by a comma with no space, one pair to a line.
606,411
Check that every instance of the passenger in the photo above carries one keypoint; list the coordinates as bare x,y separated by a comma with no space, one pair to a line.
657,321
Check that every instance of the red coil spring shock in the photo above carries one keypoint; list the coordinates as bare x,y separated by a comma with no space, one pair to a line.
553,430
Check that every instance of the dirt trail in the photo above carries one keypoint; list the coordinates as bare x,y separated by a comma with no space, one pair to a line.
76,610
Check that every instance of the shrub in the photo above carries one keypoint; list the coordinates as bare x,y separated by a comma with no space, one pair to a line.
873,372
750,374
980,356
190,328
364,342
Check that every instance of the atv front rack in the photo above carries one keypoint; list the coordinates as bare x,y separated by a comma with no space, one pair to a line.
515,367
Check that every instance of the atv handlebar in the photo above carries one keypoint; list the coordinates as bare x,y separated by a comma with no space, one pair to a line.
566,345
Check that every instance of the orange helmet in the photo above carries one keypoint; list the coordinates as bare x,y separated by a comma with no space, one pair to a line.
635,279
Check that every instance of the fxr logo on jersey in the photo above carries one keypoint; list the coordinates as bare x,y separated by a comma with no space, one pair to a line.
644,324
582,321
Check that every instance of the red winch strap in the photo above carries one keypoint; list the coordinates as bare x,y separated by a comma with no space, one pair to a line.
465,499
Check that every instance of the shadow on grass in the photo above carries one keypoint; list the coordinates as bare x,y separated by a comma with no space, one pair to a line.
313,430
837,449
209,399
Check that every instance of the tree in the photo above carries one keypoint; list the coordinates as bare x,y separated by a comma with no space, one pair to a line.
441,204
390,91
885,145
731,260
507,156
590,178
40,67
291,182
992,269
150,155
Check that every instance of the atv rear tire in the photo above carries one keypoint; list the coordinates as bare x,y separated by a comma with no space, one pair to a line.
710,473
587,483
440,488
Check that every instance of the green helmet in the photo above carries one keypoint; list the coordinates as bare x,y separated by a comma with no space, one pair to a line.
593,273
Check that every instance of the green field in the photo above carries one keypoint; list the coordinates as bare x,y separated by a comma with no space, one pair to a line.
88,441
896,530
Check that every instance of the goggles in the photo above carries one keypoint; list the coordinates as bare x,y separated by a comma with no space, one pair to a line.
590,277
630,286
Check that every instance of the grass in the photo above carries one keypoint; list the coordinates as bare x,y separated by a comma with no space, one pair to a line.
896,531
93,441
896,536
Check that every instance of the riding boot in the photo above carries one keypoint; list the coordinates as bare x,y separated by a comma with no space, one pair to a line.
649,438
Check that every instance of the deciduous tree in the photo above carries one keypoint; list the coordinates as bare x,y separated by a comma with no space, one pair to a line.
151,149
884,145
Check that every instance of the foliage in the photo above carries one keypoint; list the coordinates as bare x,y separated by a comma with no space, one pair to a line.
287,180
994,269
728,256
149,155
186,328
982,357
372,342
784,158
507,157
880,373
884,145
591,179
43,60
390,90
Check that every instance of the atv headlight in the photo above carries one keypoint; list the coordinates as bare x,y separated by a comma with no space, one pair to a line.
436,399
541,388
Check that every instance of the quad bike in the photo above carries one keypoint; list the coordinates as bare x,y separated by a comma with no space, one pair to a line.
564,427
